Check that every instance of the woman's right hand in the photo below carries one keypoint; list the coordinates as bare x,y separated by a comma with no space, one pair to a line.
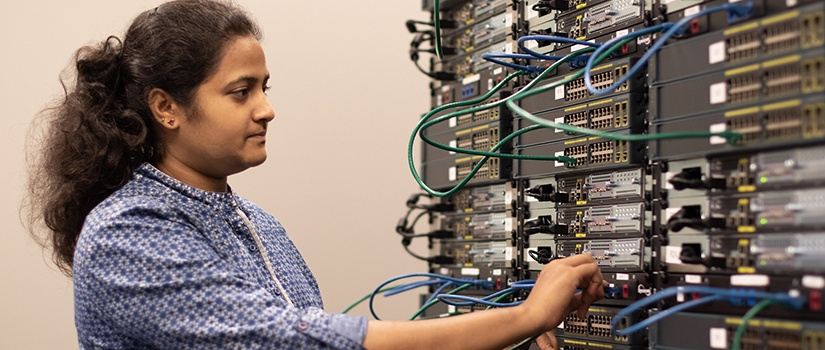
554,295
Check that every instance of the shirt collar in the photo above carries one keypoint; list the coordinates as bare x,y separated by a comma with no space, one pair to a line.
212,198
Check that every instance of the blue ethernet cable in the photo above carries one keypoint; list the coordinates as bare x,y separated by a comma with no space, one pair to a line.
445,298
492,57
520,285
438,291
484,284
666,313
669,28
733,296
412,286
553,38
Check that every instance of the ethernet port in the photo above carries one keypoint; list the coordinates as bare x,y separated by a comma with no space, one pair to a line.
622,325
749,126
813,33
751,340
782,37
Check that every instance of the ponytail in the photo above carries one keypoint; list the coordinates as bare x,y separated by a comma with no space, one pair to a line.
91,145
102,129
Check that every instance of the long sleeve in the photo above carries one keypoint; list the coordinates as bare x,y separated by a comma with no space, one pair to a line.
148,277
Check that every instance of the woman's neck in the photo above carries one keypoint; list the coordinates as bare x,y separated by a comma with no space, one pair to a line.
190,176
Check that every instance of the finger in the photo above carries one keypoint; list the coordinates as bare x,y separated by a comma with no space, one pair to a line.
594,292
588,274
547,341
576,260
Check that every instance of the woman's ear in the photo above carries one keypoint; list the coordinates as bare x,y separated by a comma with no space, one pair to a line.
164,108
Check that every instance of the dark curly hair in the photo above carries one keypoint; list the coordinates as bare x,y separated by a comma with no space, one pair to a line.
102,129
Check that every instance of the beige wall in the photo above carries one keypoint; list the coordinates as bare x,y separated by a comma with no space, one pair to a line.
346,97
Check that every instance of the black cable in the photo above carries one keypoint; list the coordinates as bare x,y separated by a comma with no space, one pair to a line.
414,255
438,259
408,230
415,221
419,39
543,224
542,256
411,26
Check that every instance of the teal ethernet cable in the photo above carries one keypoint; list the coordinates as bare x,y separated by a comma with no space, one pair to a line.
740,330
437,25
418,130
729,135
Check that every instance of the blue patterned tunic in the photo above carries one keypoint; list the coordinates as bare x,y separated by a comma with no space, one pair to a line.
163,265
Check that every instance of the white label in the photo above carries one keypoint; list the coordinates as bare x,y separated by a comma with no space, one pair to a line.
559,154
439,100
453,121
670,211
672,253
791,3
690,11
451,173
470,271
718,93
490,84
453,144
508,20
813,282
508,253
680,295
622,277
718,140
622,32
471,79
716,52
508,224
559,92
559,120
668,185
530,12
694,279
445,88
444,271
450,308
508,197
532,44
497,272
718,338
750,280
498,70
508,49
577,47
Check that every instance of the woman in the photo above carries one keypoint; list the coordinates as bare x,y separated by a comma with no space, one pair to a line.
133,188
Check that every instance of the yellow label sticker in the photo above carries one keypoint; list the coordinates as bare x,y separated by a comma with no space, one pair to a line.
748,188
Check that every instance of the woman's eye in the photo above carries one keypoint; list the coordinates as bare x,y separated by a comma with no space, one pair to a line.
266,89
241,93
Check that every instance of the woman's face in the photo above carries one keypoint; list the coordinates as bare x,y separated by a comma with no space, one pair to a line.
224,131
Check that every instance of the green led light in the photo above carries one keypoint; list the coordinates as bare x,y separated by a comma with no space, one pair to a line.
763,262
763,179
763,221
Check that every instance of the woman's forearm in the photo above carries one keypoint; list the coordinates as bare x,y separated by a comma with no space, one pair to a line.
491,329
